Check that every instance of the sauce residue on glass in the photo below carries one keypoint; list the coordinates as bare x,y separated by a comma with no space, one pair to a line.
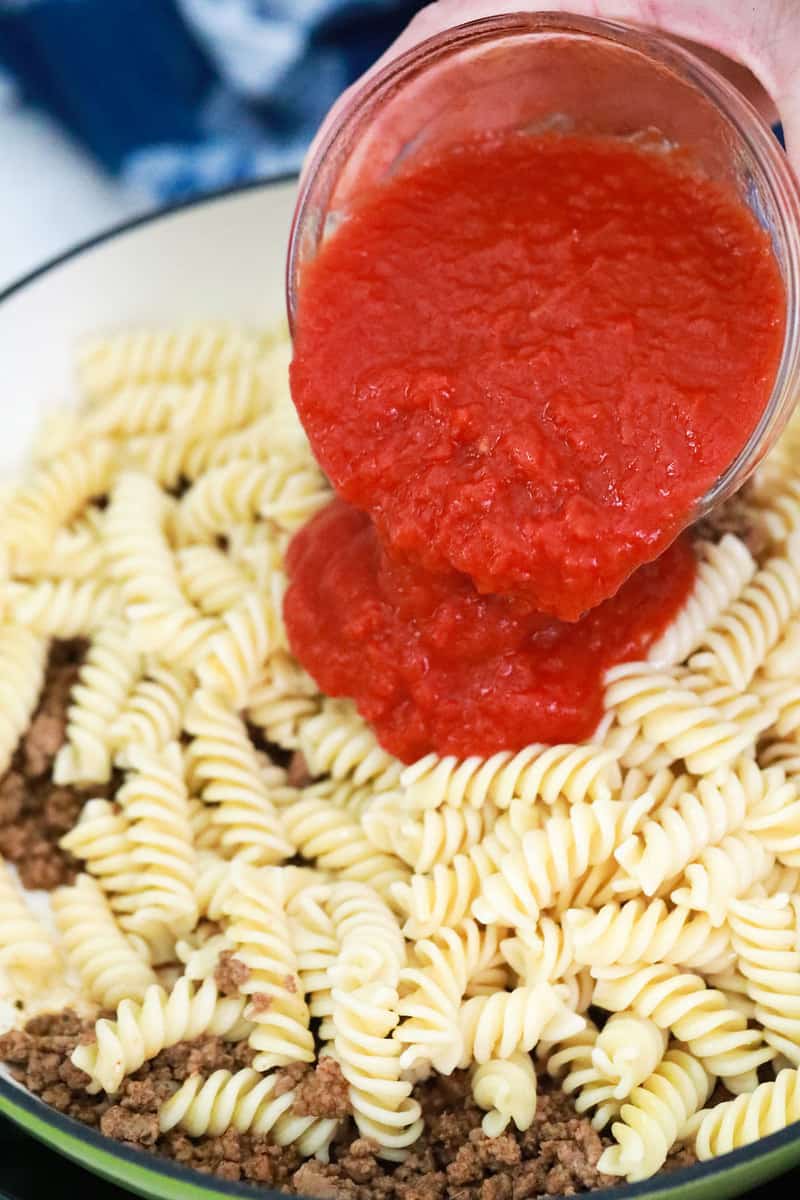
521,363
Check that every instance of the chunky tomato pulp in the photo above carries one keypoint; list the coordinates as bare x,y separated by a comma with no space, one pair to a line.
435,664
521,363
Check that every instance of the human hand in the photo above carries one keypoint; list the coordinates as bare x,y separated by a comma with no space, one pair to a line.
764,38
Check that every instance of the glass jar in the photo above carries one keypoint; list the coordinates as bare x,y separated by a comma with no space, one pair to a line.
546,71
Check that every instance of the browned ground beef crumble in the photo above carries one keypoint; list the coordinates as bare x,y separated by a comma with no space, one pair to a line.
453,1159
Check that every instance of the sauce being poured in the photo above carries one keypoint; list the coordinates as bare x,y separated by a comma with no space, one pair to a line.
521,363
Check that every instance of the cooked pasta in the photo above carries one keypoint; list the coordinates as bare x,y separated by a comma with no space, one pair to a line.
646,932
223,766
735,646
433,987
769,1107
681,1003
627,1050
546,772
22,663
258,926
109,967
256,867
339,743
152,714
250,1103
764,936
329,836
27,951
506,1089
108,673
155,804
724,569
141,1031
155,355
671,715
501,1024
654,1115
571,1061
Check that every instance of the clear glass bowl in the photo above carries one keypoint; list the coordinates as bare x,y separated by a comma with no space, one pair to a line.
549,71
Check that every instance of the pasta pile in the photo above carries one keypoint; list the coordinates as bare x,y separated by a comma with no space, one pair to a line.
401,919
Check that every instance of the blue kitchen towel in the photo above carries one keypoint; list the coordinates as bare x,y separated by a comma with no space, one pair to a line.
182,96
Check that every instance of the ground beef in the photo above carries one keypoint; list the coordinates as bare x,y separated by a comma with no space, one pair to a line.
453,1160
323,1092
34,812
230,973
298,773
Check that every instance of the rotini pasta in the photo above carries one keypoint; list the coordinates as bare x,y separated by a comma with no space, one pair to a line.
506,1089
769,1107
654,1116
109,967
764,935
627,1050
107,676
339,743
571,1062
735,646
250,1103
724,568
260,930
22,663
538,772
141,1031
27,951
681,1003
646,932
223,766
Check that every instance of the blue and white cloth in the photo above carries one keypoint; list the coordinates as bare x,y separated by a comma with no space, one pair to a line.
182,96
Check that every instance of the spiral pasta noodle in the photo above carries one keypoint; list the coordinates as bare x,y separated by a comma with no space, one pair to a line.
54,493
338,742
156,355
733,1123
655,1113
235,656
646,932
433,987
22,664
506,1089
699,1016
141,1031
248,1102
547,772
258,927
222,764
363,1020
109,967
283,699
499,1025
155,804
152,714
533,874
671,715
335,841
211,579
627,1050
764,935
735,646
430,837
571,1061
678,834
724,568
60,608
27,951
723,872
106,678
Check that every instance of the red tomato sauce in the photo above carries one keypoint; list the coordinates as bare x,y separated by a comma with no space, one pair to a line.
521,364
434,664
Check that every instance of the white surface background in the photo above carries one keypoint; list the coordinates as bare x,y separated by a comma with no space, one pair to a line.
51,194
